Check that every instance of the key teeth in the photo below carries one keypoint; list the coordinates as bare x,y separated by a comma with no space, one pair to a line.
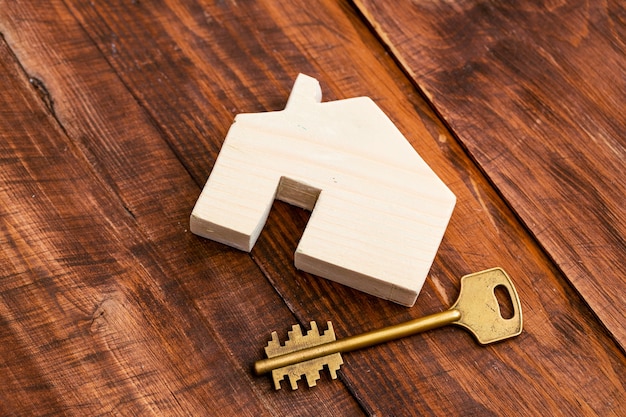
311,377
272,345
309,369
330,331
295,332
293,381
296,340
314,332
333,364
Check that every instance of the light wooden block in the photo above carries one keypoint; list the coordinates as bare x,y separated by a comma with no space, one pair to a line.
378,211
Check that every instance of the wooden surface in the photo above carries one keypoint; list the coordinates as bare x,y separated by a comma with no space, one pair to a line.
537,95
111,118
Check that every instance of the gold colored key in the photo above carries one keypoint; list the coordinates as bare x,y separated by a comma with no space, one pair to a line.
477,309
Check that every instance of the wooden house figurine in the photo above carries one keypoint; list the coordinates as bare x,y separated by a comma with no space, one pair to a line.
378,211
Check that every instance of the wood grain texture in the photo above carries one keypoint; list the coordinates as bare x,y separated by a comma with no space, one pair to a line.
536,93
100,277
109,304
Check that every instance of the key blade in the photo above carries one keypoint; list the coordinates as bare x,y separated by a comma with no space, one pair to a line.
310,368
480,310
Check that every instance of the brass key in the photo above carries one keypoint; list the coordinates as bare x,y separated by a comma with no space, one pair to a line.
476,309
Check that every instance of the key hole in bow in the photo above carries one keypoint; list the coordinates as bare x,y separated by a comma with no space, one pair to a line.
504,301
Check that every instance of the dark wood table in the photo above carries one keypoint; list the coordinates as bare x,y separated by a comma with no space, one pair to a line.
112,115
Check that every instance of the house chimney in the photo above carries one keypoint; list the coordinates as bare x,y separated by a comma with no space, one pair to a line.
306,90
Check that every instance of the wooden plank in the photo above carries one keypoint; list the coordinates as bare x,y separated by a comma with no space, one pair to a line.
217,60
109,305
536,94
77,315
